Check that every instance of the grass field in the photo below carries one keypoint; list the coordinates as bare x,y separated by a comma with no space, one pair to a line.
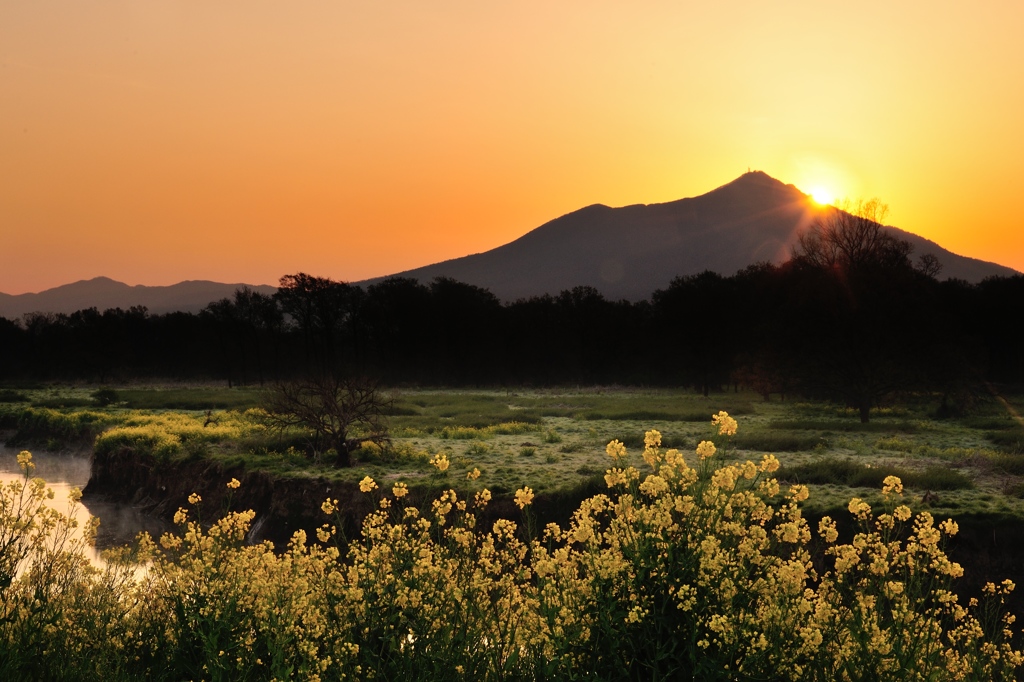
714,553
554,440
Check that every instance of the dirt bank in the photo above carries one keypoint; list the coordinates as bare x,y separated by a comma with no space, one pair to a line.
989,549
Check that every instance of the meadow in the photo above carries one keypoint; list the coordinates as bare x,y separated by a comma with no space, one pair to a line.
701,556
552,440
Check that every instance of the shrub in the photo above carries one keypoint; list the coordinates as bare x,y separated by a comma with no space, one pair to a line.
1010,440
849,473
105,397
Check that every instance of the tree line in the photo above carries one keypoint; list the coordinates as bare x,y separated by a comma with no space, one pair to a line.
850,317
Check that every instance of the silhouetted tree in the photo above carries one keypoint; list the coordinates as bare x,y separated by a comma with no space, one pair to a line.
697,328
331,406
318,307
869,326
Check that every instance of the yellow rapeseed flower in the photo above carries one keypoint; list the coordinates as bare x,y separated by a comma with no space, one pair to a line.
827,529
25,461
705,449
859,508
234,483
524,496
440,462
400,490
891,485
616,450
367,484
615,477
194,499
726,425
473,475
769,464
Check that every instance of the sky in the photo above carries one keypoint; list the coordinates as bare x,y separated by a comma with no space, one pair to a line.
155,141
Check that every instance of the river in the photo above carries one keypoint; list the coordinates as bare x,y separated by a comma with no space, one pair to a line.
119,523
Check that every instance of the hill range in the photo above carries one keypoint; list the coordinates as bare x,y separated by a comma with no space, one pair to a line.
103,293
625,253
630,252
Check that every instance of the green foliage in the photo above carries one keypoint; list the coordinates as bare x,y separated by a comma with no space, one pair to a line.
837,426
551,437
849,473
1009,440
61,427
8,395
895,444
105,397
776,442
199,398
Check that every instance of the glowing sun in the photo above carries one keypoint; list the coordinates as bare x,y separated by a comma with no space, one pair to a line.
822,196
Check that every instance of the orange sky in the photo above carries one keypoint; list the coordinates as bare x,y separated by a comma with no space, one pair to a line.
156,141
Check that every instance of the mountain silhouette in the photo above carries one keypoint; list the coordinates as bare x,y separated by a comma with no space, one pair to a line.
103,293
625,253
629,252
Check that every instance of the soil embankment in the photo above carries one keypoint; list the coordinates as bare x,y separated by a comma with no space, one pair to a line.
989,549
282,505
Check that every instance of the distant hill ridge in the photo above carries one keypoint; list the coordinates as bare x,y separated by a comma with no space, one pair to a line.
103,293
625,253
632,251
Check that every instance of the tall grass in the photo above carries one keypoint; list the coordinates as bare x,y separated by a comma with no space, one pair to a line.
855,475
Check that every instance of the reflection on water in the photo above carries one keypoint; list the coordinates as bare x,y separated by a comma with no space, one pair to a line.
119,523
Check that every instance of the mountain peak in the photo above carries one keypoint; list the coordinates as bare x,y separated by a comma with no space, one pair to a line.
631,251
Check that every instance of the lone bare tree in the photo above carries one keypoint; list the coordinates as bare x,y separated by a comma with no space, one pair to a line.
870,334
331,407
851,237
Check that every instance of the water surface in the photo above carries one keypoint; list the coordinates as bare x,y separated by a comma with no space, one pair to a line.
119,523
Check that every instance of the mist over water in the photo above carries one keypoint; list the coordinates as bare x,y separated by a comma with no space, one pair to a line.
119,523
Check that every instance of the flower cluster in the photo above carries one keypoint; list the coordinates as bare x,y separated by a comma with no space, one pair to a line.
703,570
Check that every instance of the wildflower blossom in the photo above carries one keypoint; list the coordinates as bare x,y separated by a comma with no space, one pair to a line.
440,462
892,485
367,484
25,461
399,490
473,475
234,484
616,450
726,425
615,477
194,499
654,485
827,529
524,496
859,508
705,449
